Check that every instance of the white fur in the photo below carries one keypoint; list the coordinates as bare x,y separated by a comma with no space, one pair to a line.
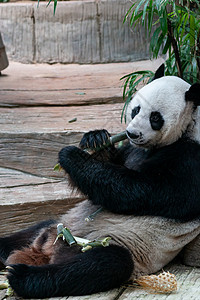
152,241
167,96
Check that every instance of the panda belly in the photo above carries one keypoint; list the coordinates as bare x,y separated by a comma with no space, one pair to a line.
152,241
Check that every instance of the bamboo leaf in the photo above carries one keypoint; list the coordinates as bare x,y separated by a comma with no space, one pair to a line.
166,46
163,22
154,39
158,45
192,33
48,3
150,16
136,19
140,3
182,26
55,5
145,10
128,12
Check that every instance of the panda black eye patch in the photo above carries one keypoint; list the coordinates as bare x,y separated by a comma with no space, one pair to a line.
156,120
135,111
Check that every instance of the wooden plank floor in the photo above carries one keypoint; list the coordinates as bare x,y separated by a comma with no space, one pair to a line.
36,104
188,280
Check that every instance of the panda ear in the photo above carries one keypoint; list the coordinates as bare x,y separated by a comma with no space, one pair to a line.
193,94
160,72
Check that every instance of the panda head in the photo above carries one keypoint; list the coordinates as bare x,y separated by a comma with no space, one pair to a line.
162,111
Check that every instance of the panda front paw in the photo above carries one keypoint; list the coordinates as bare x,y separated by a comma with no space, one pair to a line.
95,139
71,158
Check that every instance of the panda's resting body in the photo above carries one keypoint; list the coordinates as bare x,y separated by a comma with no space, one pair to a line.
150,196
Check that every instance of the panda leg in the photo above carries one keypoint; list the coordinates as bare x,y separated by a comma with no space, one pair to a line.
19,240
96,270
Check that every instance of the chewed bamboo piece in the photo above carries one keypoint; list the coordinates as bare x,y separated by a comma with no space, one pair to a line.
163,283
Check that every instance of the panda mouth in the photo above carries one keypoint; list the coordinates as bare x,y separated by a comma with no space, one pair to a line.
136,139
137,142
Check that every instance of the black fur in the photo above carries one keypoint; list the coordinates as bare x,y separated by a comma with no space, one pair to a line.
193,94
160,72
166,181
99,269
156,120
135,111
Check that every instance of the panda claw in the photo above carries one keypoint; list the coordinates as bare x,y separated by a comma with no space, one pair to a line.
9,268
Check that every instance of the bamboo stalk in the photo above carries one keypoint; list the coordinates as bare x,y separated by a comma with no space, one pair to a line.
118,137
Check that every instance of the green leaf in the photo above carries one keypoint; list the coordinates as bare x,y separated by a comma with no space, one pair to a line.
192,33
166,46
158,45
150,16
163,22
136,19
128,12
145,10
55,5
154,39
182,25
47,3
80,93
139,5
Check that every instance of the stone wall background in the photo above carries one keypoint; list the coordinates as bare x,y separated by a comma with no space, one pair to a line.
90,31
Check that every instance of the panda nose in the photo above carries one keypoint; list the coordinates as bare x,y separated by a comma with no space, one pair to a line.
132,135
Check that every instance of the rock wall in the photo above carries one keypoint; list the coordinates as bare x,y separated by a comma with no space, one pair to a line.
90,31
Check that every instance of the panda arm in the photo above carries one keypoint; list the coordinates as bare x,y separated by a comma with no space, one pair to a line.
104,182
167,188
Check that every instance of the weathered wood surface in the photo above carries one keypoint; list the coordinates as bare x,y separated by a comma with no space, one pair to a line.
31,136
45,120
27,199
88,31
66,84
188,288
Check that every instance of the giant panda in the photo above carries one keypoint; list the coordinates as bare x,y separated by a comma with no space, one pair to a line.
149,192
